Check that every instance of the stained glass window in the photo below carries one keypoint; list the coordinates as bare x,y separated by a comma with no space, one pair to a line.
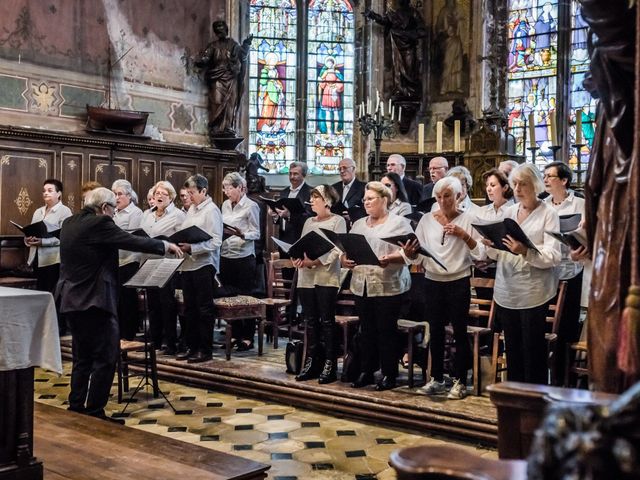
330,84
279,122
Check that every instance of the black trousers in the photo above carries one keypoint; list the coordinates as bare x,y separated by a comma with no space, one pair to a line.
448,302
95,353
319,307
163,312
379,333
128,317
198,291
46,281
238,277
525,344
569,327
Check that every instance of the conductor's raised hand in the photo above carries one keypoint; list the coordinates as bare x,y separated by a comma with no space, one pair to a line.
174,249
185,247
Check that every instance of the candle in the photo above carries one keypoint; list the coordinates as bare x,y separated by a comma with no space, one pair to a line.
552,128
456,136
19,58
382,109
377,100
399,114
532,131
421,138
439,137
369,107
390,111
393,112
579,127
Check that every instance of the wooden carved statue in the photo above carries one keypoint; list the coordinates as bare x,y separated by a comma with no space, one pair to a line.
611,192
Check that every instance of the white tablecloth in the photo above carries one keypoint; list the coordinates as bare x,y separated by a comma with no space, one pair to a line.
28,330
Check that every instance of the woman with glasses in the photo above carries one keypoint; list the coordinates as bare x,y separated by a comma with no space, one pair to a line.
241,217
128,217
399,200
557,179
317,287
526,279
165,220
379,288
447,232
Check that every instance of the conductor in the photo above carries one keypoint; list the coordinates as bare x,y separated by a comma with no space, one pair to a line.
88,294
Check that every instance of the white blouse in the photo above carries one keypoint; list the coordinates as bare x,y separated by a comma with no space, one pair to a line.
128,218
167,225
245,216
49,251
374,280
490,214
569,206
451,250
527,281
327,274
400,208
207,216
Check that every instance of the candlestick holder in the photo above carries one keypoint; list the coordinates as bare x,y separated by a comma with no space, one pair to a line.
533,151
419,175
555,149
579,170
381,126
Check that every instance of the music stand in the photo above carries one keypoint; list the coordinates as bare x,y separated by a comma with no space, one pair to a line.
154,273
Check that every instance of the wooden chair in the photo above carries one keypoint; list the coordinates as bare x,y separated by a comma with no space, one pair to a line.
127,347
280,295
499,363
578,365
411,329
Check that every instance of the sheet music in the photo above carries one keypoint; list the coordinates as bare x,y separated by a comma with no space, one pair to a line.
154,273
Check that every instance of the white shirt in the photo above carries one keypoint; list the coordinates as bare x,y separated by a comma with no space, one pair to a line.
453,252
377,281
293,192
49,252
467,205
245,216
345,191
207,216
570,205
400,208
531,280
327,274
490,214
166,225
128,218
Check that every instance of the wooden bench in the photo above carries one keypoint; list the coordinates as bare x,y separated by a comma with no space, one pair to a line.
75,446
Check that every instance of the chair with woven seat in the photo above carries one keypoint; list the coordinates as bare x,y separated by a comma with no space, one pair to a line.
238,308
280,299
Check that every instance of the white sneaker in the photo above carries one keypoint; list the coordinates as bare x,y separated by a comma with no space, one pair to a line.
458,391
433,387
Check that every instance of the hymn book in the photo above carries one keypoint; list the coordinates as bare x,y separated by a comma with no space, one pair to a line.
496,231
154,273
570,232
294,205
192,234
312,244
39,229
403,239
354,245
355,212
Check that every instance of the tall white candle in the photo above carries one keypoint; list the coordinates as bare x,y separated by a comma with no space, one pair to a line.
399,114
382,109
390,106
369,107
377,100
421,138
393,112
439,137
532,131
456,136
579,127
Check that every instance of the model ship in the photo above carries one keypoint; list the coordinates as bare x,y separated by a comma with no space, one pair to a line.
115,120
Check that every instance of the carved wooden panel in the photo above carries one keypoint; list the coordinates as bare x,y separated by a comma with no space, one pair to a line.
22,172
105,171
71,179
176,173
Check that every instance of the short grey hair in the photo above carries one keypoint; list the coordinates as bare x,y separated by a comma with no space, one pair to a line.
167,186
461,173
198,181
528,173
448,182
397,157
300,165
125,185
235,180
99,196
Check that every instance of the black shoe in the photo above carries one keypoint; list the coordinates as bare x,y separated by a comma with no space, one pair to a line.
363,380
309,370
243,346
329,374
387,383
199,358
185,355
168,351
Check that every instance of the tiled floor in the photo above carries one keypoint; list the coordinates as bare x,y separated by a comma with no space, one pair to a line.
299,444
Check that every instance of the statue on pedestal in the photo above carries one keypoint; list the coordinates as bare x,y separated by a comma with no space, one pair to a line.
224,65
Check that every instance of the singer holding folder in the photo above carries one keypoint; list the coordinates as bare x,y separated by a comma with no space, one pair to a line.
526,280
447,232
318,285
379,288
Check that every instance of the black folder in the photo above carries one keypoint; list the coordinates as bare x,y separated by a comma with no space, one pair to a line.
192,234
294,205
355,212
398,239
414,218
229,231
354,245
570,223
313,244
496,231
39,230
570,232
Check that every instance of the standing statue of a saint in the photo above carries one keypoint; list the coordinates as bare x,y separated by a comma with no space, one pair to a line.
405,27
223,62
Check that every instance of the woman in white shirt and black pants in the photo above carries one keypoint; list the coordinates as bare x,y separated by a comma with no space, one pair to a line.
379,289
526,280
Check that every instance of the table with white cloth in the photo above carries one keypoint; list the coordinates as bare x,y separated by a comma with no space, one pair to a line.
28,339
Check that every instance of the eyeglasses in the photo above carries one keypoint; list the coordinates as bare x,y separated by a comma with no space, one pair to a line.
159,192
370,199
546,175
342,169
431,169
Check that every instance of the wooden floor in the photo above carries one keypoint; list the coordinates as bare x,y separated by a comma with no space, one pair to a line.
74,446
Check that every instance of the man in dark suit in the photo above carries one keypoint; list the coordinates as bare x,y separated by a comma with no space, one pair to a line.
397,163
290,224
438,168
349,188
88,294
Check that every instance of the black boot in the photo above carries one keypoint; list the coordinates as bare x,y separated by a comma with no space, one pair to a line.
309,370
329,372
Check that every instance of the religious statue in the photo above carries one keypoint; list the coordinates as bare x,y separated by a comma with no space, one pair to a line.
223,62
255,183
460,111
450,44
611,195
405,28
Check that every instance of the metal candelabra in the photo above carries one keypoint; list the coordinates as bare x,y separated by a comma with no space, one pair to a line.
381,126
